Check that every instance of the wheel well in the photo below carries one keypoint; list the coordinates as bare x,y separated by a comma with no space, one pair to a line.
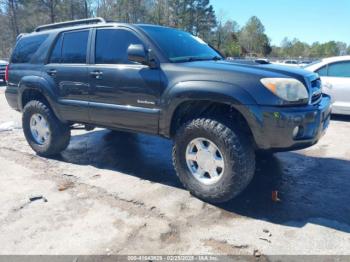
194,109
32,94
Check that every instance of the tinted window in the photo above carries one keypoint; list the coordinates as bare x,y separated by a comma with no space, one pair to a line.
341,69
74,47
180,46
26,48
112,46
57,51
322,71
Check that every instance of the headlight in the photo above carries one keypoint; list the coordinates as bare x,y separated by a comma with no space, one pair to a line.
289,89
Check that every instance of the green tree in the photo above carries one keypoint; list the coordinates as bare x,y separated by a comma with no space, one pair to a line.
286,47
195,16
199,18
127,11
160,13
225,33
253,38
276,51
330,49
342,47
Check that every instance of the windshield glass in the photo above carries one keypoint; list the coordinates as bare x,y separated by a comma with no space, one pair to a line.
180,46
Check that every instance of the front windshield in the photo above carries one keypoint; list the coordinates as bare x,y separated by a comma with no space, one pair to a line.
180,46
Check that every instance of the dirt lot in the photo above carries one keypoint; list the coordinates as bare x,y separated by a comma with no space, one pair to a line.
114,193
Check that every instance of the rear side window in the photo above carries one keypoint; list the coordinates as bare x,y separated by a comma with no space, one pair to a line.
341,69
73,50
112,45
74,47
26,48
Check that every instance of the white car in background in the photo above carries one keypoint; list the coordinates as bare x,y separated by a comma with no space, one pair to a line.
335,76
291,63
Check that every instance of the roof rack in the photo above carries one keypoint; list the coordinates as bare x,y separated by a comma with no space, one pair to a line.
20,36
88,21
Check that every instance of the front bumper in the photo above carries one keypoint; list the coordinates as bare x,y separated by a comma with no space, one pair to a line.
275,126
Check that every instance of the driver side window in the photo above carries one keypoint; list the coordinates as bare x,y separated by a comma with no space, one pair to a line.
112,44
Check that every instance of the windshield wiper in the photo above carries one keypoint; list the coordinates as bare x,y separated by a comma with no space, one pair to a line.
194,59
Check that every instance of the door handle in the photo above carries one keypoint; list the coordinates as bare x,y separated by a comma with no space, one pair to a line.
51,72
96,74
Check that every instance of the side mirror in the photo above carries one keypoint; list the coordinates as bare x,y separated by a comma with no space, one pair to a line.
137,53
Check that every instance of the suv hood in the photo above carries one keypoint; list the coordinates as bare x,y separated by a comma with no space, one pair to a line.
263,70
241,75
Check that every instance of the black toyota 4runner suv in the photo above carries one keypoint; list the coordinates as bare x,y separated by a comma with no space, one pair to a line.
166,82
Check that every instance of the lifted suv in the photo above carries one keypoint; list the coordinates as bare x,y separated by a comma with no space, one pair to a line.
162,81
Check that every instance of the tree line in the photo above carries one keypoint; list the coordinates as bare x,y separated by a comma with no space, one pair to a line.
195,16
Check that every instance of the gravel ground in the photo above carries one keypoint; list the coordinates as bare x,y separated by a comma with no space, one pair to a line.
117,193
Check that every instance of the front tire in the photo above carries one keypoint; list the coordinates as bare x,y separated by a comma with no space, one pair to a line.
213,160
45,134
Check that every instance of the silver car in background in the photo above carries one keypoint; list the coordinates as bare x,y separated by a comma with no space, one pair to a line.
335,76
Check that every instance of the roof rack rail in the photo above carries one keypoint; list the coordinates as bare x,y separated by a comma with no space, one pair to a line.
20,36
95,20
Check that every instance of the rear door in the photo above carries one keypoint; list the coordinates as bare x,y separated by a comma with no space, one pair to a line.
67,68
336,82
124,94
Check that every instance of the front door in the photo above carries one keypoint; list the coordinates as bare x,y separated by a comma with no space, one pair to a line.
124,94
67,68
336,82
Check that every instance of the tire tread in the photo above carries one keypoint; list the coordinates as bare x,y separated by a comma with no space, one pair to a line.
239,149
60,132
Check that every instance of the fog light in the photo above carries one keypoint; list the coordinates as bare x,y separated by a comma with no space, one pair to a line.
296,131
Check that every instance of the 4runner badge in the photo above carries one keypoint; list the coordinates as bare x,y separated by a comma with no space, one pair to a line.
145,102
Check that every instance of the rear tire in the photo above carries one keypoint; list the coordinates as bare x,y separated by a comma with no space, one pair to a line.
231,145
53,136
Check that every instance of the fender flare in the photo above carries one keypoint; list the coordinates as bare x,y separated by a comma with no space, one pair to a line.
41,85
219,92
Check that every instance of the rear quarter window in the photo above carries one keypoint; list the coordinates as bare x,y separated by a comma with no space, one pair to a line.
26,48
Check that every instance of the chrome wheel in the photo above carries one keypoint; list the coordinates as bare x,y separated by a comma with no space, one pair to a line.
39,128
205,161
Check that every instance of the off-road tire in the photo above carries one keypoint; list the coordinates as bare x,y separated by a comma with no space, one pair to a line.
60,132
237,151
